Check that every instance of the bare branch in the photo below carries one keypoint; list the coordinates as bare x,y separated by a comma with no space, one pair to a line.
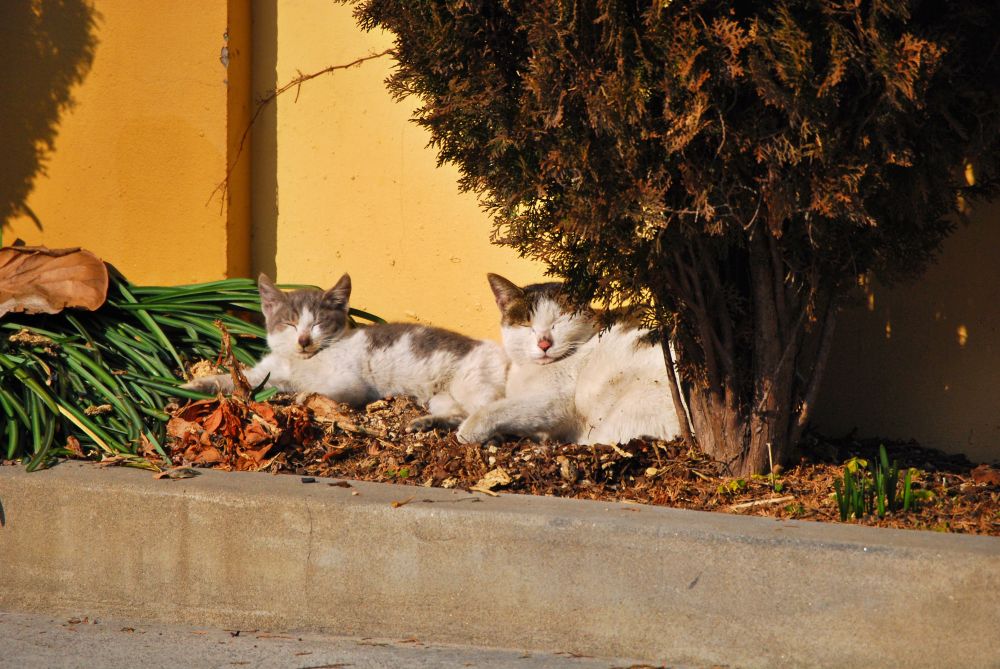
675,391
779,282
721,306
704,324
812,390
296,83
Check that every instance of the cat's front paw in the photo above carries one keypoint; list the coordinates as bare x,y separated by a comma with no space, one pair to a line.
421,424
475,430
432,422
207,384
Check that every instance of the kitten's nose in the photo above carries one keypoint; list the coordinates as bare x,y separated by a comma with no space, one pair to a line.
545,343
304,340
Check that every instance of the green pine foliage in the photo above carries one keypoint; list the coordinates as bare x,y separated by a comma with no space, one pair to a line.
734,167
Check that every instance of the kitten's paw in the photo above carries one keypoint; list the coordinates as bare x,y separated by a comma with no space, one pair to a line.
206,384
432,422
421,424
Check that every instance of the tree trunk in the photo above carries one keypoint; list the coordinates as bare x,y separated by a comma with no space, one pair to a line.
718,426
749,421
746,435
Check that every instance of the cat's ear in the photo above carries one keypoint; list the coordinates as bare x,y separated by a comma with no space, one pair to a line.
271,298
504,291
340,294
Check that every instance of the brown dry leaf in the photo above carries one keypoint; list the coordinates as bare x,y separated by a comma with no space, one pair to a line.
176,473
73,446
400,503
334,452
264,411
255,433
147,450
986,474
241,387
196,410
34,279
326,410
214,420
179,428
257,455
207,456
495,478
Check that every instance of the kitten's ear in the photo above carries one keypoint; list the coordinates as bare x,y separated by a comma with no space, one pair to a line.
503,290
271,298
340,294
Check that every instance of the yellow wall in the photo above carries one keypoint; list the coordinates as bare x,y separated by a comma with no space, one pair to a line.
358,191
136,160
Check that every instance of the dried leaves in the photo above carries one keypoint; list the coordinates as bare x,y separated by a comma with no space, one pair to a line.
233,432
34,279
237,432
311,436
986,475
495,478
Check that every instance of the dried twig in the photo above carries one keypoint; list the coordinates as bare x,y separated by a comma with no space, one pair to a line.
241,387
621,451
296,83
404,502
762,502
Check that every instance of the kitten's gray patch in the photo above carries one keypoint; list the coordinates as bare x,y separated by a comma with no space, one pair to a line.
425,341
331,316
519,309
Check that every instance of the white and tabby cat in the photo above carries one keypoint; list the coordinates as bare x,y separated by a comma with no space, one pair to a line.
567,382
314,349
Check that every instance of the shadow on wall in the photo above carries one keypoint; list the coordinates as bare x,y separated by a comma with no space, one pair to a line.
46,48
264,140
922,361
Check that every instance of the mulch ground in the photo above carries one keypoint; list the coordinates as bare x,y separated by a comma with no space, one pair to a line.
313,436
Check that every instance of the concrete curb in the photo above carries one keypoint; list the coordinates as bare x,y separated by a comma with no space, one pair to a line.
604,579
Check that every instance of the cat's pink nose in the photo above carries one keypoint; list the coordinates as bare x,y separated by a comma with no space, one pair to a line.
545,344
304,340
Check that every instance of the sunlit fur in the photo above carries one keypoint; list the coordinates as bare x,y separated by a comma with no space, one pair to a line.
552,321
586,388
314,350
302,322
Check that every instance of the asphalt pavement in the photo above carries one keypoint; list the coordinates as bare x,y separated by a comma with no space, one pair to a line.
33,641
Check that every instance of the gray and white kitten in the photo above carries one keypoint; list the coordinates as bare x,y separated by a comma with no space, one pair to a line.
314,349
568,382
